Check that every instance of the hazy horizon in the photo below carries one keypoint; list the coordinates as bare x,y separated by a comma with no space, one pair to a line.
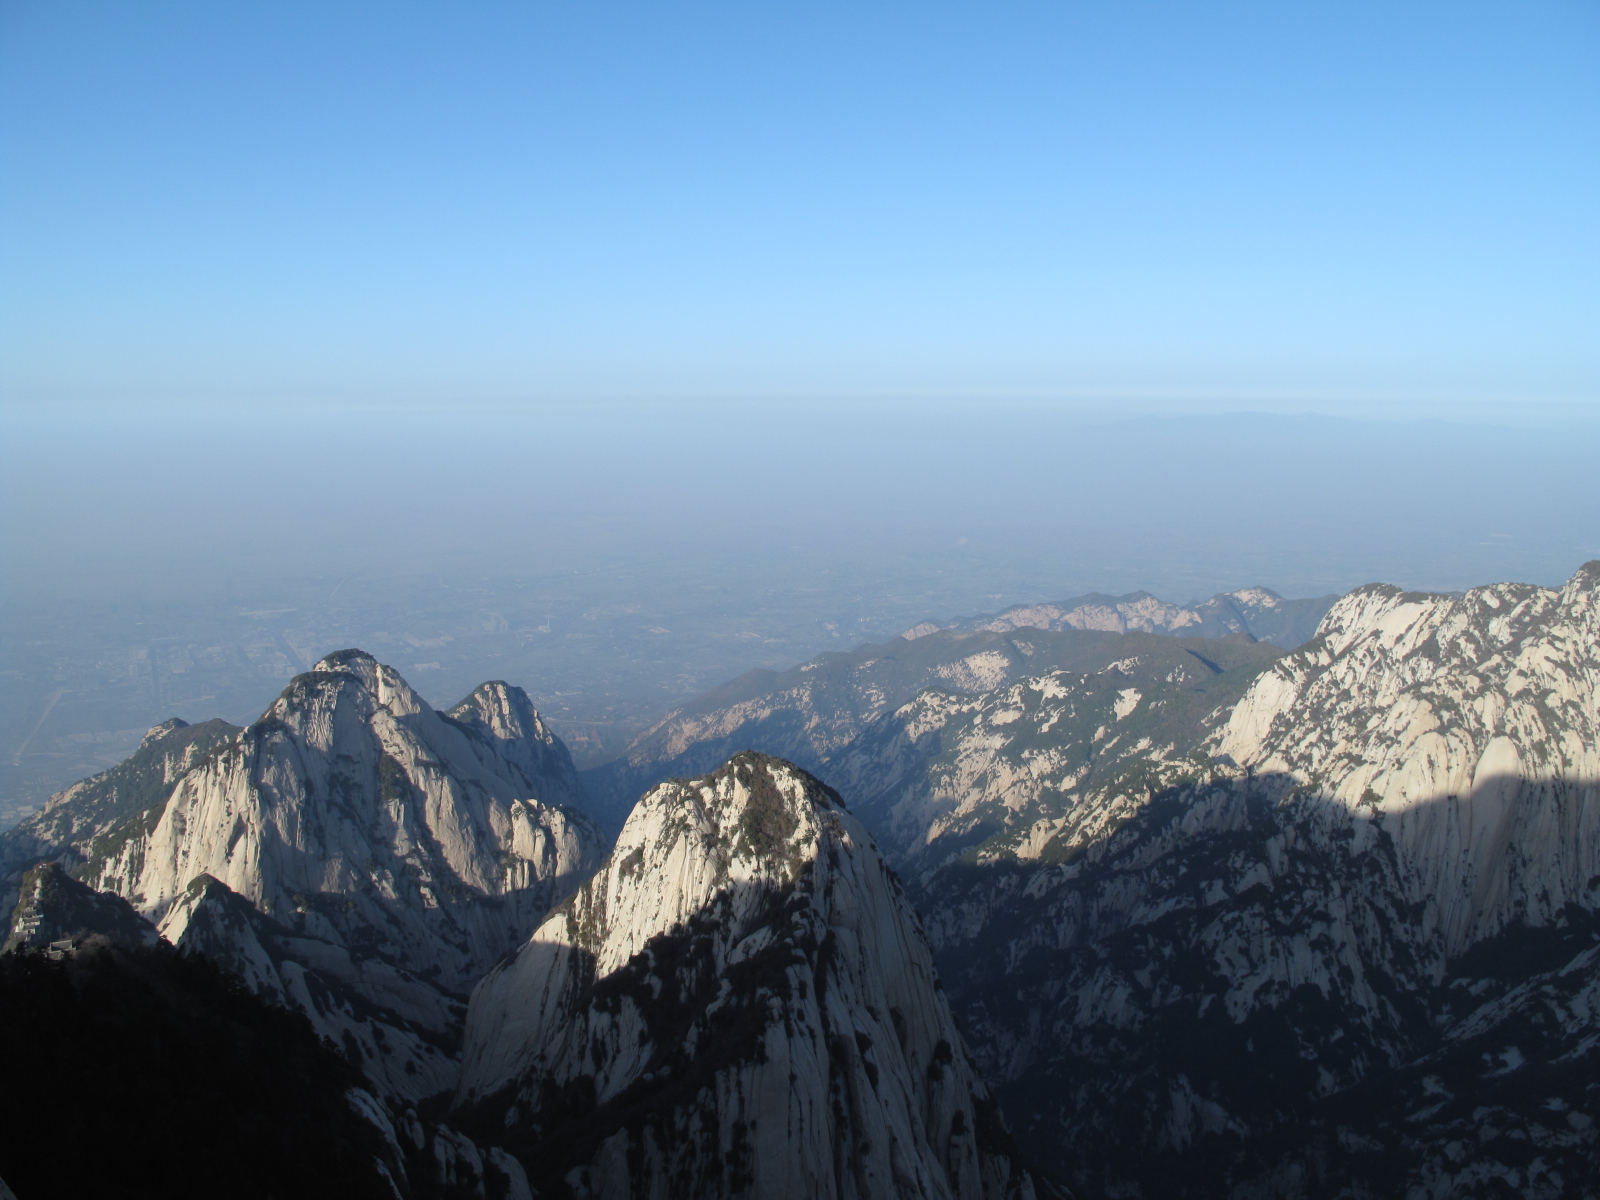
616,561
618,349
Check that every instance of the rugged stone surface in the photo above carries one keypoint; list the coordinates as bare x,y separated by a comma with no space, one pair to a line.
810,714
1291,938
54,907
90,817
353,852
1468,726
1039,768
741,1002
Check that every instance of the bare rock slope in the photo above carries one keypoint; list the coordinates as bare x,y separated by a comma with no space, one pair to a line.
1349,951
1468,726
353,852
741,1002
812,713
1039,768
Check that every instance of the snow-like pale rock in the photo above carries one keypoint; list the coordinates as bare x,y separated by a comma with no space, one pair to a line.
1469,725
741,1001
1377,866
361,856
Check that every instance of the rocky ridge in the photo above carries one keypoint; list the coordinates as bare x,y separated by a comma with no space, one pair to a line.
1256,611
353,853
1468,726
811,713
1039,768
1253,944
87,819
740,1002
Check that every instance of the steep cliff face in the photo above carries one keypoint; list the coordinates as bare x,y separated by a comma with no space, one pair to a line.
357,812
503,717
1468,726
92,816
741,1002
354,853
1040,768
1290,939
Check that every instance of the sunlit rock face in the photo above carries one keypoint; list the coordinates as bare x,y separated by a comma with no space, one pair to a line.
354,806
96,816
1468,727
1043,767
1351,947
360,855
741,1002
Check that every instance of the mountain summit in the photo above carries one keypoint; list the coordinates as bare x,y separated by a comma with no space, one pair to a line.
741,1001
354,852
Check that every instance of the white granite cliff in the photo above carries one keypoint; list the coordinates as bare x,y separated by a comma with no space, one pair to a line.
353,852
1175,926
1468,726
740,1002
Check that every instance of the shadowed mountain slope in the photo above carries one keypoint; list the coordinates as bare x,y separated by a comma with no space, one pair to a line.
811,713
353,853
741,1002
1312,927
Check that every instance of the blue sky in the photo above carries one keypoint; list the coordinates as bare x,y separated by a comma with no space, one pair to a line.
1323,203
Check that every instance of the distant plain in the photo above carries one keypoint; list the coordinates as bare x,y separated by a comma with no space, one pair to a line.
618,559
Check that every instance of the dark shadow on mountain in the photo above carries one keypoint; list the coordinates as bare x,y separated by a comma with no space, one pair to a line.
846,692
146,1073
673,982
1232,995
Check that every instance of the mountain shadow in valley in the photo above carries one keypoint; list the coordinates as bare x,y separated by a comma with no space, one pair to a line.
148,1073
1232,995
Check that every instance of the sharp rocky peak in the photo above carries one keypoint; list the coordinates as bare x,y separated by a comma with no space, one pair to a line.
1469,726
157,732
741,1001
368,857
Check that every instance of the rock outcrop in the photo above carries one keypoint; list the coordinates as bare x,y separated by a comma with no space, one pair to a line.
1289,938
1259,612
91,816
741,1002
353,852
1468,726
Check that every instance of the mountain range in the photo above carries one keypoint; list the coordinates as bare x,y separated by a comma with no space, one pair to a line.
1257,611
1065,901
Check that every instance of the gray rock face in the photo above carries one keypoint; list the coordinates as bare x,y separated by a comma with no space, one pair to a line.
1038,769
812,713
90,818
353,852
53,907
1468,726
377,823
1229,958
1258,612
741,1002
